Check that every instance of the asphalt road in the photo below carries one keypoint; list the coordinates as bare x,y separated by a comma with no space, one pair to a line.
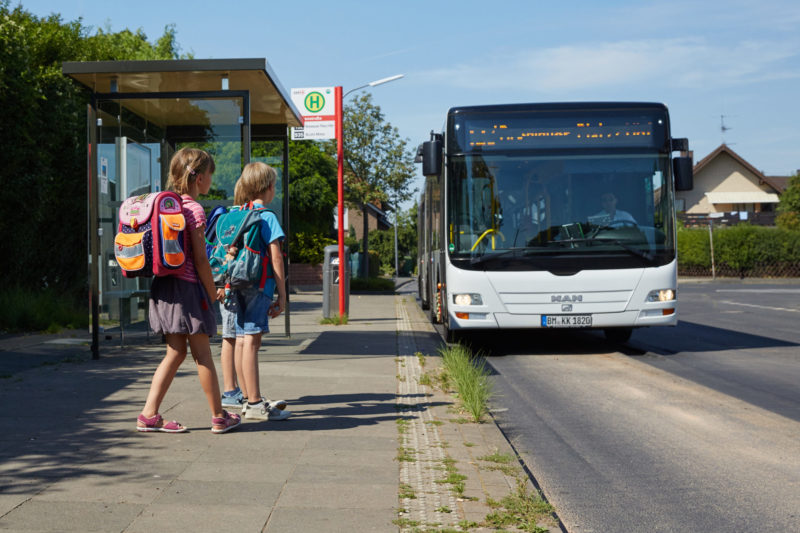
691,428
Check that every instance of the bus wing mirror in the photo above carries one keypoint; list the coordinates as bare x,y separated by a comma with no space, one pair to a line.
680,145
682,170
432,158
418,157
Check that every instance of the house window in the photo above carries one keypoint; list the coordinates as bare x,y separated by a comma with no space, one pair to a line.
680,205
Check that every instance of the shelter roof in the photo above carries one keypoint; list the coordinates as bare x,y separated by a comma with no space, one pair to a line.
269,101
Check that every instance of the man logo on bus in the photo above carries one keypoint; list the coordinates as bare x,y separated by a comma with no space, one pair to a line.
566,298
314,102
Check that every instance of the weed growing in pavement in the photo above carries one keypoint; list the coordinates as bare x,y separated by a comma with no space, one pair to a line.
522,509
470,376
425,379
334,320
405,522
421,358
406,454
407,492
402,425
497,457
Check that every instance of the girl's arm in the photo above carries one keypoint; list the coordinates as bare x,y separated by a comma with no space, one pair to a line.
198,238
276,256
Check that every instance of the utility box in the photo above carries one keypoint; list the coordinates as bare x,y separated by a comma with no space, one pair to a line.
331,281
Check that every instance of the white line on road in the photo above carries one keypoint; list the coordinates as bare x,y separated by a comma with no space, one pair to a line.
761,306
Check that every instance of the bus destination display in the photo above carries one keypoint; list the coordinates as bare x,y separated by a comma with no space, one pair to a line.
505,135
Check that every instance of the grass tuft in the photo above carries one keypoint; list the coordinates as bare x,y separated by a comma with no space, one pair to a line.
469,375
522,509
335,320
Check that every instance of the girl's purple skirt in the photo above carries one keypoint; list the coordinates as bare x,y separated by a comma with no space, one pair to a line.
178,306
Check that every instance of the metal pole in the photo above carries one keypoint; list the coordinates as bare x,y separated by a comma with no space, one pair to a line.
711,242
340,193
396,268
94,226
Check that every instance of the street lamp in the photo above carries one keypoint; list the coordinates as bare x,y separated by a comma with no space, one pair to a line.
340,171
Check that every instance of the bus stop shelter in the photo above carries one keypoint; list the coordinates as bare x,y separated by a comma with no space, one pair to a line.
140,114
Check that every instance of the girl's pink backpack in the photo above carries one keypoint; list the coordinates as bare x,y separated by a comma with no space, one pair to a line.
150,240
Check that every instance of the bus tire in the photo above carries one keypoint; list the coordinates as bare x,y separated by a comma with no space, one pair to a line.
618,335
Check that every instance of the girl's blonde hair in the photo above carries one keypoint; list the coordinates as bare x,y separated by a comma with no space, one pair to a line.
256,178
185,166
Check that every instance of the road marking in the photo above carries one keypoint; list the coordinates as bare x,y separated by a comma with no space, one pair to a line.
760,306
778,291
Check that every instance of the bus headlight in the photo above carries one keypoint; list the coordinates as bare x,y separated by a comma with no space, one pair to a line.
663,295
467,299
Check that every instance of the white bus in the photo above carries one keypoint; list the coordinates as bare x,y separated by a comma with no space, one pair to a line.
551,216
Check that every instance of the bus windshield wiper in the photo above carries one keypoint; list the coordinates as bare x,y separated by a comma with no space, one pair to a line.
647,256
485,258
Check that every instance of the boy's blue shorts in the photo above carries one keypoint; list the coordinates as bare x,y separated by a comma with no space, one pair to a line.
228,322
251,312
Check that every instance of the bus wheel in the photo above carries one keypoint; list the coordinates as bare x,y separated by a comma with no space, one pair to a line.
618,335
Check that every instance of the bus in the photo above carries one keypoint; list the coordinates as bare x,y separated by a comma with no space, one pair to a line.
551,216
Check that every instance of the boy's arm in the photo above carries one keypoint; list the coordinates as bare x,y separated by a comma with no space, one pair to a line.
276,255
197,236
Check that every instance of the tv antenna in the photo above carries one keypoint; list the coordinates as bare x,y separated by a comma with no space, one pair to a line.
723,128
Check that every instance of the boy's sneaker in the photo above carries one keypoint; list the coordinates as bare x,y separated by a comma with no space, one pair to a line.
280,405
276,404
264,411
233,399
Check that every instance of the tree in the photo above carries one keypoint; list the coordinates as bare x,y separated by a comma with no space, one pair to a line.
789,206
380,167
43,135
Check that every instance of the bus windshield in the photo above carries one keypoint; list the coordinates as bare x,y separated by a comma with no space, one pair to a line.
516,208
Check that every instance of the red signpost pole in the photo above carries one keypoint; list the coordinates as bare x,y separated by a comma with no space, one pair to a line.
340,195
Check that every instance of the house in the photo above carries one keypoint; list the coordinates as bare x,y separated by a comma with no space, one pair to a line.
377,220
725,182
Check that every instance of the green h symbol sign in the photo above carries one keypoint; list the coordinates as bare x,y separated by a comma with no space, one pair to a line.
314,102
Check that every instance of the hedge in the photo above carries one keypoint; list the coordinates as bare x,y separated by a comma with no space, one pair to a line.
741,248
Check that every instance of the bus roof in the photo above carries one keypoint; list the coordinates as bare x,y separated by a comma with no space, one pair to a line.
557,106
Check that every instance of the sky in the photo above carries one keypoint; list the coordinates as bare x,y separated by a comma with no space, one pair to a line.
735,62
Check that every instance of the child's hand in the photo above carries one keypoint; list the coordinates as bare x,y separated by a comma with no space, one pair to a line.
220,294
275,309
230,254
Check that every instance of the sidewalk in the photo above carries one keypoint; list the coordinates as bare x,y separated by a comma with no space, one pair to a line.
70,459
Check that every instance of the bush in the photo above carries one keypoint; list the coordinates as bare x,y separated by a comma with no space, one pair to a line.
741,248
308,248
789,221
372,284
49,311
693,247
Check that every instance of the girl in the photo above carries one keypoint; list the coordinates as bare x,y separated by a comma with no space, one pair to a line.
180,306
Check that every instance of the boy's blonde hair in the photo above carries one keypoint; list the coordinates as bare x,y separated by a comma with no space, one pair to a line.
256,178
185,166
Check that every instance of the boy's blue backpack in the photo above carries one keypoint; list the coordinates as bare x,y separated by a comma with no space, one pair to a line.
240,227
211,227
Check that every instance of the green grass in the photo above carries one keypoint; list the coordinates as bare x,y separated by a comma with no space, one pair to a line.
521,509
406,454
24,310
470,377
334,320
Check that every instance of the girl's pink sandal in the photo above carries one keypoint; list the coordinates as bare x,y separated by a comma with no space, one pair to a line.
228,422
156,423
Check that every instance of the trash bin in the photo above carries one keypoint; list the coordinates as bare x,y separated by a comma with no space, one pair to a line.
330,281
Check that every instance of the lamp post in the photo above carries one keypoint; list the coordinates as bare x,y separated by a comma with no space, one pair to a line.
340,174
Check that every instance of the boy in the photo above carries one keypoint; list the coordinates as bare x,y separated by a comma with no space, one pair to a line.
254,306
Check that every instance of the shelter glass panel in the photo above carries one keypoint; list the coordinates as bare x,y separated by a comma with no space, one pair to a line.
136,137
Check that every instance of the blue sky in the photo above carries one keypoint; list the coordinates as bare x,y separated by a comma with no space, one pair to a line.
737,59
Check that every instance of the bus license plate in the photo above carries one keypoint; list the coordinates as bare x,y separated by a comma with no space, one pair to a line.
566,321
